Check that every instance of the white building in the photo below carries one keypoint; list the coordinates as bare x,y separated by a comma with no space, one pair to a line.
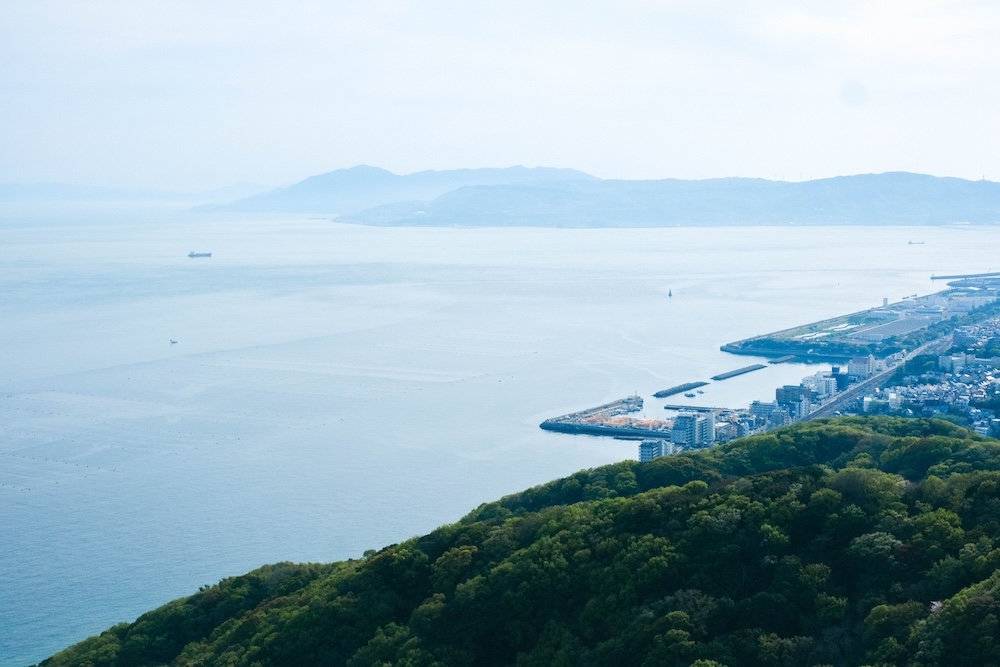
685,431
706,429
955,363
653,449
822,383
861,366
762,409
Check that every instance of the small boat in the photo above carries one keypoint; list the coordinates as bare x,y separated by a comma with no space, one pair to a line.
689,395
173,342
194,254
700,391
670,292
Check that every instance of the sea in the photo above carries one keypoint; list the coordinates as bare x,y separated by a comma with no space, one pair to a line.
316,389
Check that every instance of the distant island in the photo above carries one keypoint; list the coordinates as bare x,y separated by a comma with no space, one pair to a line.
543,197
549,197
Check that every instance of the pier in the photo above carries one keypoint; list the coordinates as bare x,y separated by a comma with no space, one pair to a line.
694,408
610,419
738,371
613,409
625,432
688,386
966,276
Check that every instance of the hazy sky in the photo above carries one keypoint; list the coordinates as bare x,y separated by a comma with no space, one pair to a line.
195,95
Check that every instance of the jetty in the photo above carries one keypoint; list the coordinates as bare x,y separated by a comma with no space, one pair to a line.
738,371
966,276
623,432
679,389
610,419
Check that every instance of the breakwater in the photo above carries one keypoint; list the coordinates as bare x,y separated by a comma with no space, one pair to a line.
687,386
738,371
606,429
756,348
965,276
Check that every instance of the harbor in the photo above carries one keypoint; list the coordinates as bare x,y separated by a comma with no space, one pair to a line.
610,419
873,343
880,331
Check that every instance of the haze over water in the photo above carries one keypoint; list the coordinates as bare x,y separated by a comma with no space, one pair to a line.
336,388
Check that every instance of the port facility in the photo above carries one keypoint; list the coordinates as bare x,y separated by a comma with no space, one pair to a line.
610,419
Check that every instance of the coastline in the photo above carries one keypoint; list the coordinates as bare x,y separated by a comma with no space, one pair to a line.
930,334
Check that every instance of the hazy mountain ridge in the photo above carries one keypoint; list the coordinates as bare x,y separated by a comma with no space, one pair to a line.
347,191
548,197
841,542
892,198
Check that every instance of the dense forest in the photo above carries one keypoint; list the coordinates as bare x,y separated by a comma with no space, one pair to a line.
837,542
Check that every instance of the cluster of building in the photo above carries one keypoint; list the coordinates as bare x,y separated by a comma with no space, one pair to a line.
691,430
964,384
704,427
913,313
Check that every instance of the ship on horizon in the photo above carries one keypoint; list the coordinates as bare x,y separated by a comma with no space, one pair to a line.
199,254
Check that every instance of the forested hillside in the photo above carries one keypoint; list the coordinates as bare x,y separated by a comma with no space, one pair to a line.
837,542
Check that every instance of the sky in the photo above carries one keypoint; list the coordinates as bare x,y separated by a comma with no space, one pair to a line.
194,95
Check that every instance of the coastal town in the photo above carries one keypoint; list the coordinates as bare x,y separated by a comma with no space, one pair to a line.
927,356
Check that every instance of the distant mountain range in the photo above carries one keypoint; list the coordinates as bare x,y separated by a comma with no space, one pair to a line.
566,198
350,191
547,197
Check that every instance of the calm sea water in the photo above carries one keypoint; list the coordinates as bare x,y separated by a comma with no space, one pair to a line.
336,388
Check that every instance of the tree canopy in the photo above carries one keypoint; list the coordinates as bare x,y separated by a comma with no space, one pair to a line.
836,542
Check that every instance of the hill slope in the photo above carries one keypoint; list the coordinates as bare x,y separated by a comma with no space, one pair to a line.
839,542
